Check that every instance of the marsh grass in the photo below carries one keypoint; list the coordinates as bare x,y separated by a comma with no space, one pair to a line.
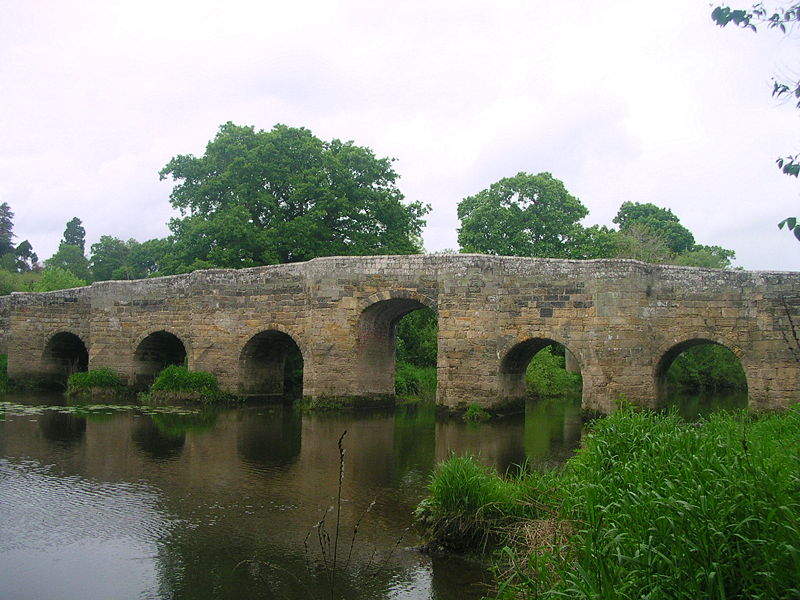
412,381
96,379
178,383
651,507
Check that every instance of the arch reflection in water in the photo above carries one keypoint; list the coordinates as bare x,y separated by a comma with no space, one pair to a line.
498,444
269,438
552,429
64,429
156,442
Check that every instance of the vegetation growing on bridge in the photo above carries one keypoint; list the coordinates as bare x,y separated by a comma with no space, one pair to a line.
176,382
87,382
651,506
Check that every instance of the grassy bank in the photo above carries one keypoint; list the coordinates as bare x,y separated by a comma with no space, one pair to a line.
651,507
177,383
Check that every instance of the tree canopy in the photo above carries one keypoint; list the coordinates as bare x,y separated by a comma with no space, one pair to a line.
524,215
661,221
284,195
75,234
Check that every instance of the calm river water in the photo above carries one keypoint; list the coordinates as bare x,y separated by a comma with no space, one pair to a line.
106,502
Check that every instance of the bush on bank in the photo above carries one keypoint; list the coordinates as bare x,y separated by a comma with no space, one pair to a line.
412,381
176,382
94,379
651,507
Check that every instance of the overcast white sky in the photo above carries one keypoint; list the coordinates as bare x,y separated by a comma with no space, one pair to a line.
618,102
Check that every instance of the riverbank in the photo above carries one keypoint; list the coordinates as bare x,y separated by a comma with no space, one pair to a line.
651,506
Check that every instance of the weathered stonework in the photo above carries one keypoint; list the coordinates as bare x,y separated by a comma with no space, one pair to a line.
623,321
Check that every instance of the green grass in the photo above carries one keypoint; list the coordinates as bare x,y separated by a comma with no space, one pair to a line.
176,382
651,507
475,413
412,381
96,378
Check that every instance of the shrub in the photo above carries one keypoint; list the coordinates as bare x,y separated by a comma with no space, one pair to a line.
546,375
653,507
96,378
56,278
412,381
475,413
179,383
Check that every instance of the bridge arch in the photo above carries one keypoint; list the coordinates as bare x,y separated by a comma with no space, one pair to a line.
271,364
377,321
154,352
670,351
514,363
64,353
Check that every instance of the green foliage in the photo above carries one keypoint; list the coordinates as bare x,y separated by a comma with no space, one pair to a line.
412,381
17,282
524,215
96,378
113,258
5,385
469,505
284,195
75,235
416,338
6,229
660,221
639,242
177,378
546,375
707,367
777,18
55,278
712,257
475,413
651,507
70,258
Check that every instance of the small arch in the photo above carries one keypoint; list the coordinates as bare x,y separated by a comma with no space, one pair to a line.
64,354
514,364
735,373
377,325
154,353
271,364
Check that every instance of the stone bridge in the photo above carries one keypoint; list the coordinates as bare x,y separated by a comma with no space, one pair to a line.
624,321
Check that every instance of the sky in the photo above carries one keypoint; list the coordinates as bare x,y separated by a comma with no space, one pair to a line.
620,102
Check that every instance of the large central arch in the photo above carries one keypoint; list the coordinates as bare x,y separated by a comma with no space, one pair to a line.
155,352
271,364
376,338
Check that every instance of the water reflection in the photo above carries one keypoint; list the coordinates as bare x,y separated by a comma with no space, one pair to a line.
62,429
156,442
695,406
223,504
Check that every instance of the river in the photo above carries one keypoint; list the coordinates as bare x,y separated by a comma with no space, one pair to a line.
120,501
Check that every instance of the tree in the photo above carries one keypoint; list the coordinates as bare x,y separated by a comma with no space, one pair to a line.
70,258
524,215
639,242
660,221
75,234
27,260
56,278
773,19
713,257
6,229
113,258
284,195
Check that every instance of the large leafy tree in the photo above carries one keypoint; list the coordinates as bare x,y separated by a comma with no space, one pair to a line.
113,258
6,229
660,221
524,215
284,195
779,19
70,258
75,234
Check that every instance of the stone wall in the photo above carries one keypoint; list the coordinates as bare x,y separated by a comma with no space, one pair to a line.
622,320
